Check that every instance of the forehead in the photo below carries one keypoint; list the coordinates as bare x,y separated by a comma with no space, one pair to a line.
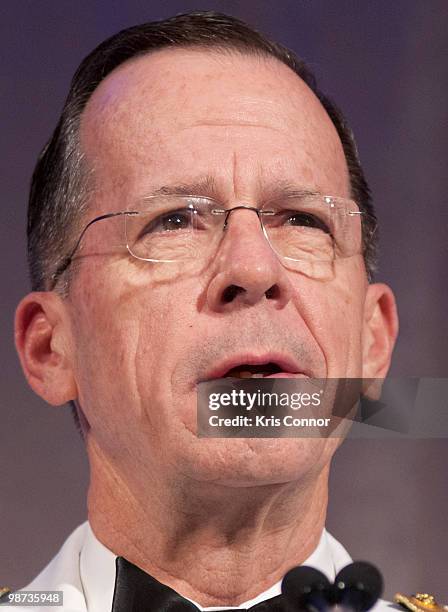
181,114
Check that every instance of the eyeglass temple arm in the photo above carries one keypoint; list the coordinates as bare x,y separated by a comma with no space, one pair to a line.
68,260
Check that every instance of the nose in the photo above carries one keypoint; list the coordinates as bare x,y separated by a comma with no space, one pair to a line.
246,271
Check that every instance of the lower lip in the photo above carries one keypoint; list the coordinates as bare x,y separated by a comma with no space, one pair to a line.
286,375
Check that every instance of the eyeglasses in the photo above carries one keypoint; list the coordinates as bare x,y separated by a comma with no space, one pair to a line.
188,228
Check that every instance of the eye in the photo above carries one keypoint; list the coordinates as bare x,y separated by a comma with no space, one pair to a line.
302,219
170,222
175,221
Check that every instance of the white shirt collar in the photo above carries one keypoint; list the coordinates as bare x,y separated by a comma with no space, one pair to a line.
97,571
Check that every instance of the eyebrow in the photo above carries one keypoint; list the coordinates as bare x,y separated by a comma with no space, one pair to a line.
202,187
207,187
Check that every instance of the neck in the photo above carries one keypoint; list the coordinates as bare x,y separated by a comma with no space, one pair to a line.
215,544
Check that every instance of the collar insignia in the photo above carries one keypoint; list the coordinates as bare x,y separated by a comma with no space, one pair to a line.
420,602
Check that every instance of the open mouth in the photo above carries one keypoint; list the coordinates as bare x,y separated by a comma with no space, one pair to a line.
248,365
245,370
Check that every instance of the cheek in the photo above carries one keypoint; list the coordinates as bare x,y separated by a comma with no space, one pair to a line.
106,342
333,311
128,336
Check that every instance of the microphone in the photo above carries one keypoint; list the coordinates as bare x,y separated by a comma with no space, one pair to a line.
306,588
357,586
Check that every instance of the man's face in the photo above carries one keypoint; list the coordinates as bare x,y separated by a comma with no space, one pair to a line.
143,335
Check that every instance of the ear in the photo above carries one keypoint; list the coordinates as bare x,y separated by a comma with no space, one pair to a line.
42,341
380,330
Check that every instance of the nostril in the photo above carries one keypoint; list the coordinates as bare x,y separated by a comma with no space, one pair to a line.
272,293
230,293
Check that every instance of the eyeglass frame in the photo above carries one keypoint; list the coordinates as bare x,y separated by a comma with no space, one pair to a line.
221,211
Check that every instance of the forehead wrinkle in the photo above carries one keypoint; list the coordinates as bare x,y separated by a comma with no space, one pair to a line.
227,124
243,110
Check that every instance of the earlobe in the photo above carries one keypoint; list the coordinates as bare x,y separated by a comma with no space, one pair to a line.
380,330
41,336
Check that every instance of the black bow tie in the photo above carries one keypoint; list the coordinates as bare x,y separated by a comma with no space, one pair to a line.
137,591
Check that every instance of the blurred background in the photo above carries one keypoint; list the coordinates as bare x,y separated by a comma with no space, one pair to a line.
386,65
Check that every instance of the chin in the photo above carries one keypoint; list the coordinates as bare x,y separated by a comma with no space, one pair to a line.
248,462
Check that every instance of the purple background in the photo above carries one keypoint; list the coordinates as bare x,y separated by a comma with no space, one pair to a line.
386,64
